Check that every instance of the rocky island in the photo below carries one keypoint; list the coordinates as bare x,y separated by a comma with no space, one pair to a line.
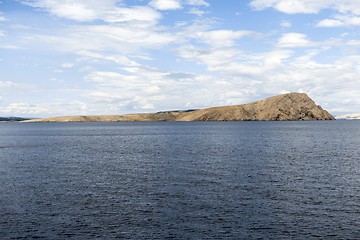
285,107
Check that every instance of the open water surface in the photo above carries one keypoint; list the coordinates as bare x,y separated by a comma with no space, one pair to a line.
167,180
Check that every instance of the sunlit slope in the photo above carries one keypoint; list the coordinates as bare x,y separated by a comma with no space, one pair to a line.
291,106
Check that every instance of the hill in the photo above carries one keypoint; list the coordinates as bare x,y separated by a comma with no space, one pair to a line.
290,106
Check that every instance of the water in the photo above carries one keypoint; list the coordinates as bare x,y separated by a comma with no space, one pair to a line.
216,180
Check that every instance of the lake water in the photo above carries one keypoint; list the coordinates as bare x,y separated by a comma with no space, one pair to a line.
197,180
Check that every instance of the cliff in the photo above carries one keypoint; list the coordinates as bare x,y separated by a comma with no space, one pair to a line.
291,106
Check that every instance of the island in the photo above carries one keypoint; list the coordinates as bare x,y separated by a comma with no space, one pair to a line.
285,107
12,119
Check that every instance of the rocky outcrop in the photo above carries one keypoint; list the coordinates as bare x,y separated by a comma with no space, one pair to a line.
291,106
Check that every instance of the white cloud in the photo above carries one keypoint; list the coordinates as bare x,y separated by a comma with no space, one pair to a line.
121,60
136,13
330,23
106,78
147,89
129,34
211,58
286,24
6,84
23,109
9,84
79,10
166,4
289,40
198,3
222,37
340,21
117,41
75,11
307,6
290,7
8,46
197,12
178,4
234,61
67,65
91,10
348,11
353,43
258,65
2,18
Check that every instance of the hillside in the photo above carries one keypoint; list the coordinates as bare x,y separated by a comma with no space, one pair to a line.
291,106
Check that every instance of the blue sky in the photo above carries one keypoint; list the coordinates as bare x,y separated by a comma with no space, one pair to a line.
76,57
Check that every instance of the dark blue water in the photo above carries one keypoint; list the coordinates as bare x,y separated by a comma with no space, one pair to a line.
218,180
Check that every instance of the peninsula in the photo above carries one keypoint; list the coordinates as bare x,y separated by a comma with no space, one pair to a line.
285,107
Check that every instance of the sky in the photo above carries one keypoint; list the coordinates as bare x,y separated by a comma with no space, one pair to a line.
90,57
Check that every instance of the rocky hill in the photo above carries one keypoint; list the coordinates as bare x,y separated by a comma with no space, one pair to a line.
291,106
352,116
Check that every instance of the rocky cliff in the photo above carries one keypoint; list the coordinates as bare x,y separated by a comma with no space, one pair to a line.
291,106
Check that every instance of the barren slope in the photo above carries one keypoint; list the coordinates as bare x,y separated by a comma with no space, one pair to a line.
291,106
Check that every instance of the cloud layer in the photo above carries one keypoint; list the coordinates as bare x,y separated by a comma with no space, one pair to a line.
109,57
